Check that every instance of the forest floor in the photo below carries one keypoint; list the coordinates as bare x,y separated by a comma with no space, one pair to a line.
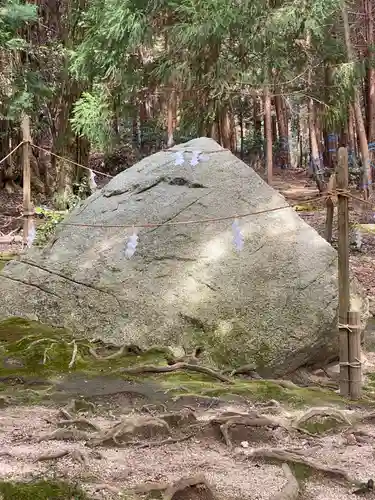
136,437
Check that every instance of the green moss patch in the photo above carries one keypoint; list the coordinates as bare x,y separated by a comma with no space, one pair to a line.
28,348
34,357
5,257
41,490
321,426
252,390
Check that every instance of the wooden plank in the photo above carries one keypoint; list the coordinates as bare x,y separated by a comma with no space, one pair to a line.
342,181
355,365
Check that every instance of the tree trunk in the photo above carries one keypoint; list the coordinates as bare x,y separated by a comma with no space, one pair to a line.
241,123
282,121
361,131
330,135
257,121
351,134
274,128
370,80
225,127
171,119
314,147
268,133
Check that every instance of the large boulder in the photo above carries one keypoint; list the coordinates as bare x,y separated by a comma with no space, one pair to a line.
273,304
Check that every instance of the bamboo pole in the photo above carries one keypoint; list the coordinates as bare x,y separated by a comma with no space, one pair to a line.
26,177
342,181
354,358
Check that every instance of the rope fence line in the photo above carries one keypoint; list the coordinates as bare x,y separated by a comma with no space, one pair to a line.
320,198
13,151
194,221
71,161
98,172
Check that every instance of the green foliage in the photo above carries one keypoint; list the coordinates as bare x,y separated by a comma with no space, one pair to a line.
40,490
91,118
202,46
46,230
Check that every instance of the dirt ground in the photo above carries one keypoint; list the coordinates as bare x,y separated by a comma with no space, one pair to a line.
135,442
146,459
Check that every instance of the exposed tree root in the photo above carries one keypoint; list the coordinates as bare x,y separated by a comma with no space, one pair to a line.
244,370
65,435
146,488
74,354
126,427
115,355
288,456
80,423
286,384
185,483
251,420
152,444
75,455
177,366
333,413
368,417
291,490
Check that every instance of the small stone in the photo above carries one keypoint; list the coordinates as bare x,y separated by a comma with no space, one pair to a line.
245,444
13,363
4,402
350,439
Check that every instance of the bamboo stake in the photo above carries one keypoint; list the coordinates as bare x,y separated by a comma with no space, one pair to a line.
355,366
342,177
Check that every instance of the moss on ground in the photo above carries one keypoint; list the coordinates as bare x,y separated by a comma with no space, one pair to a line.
321,426
28,348
5,257
252,390
40,355
41,490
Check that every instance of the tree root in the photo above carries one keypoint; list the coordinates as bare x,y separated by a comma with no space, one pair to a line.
81,423
124,427
115,355
185,483
177,366
74,354
75,455
151,444
291,490
65,435
284,455
251,420
144,489
333,413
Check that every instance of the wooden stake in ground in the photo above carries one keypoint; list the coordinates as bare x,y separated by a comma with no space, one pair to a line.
342,181
26,177
331,186
355,365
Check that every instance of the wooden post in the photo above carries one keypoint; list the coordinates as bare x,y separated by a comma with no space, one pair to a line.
26,177
342,178
355,365
331,186
329,220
